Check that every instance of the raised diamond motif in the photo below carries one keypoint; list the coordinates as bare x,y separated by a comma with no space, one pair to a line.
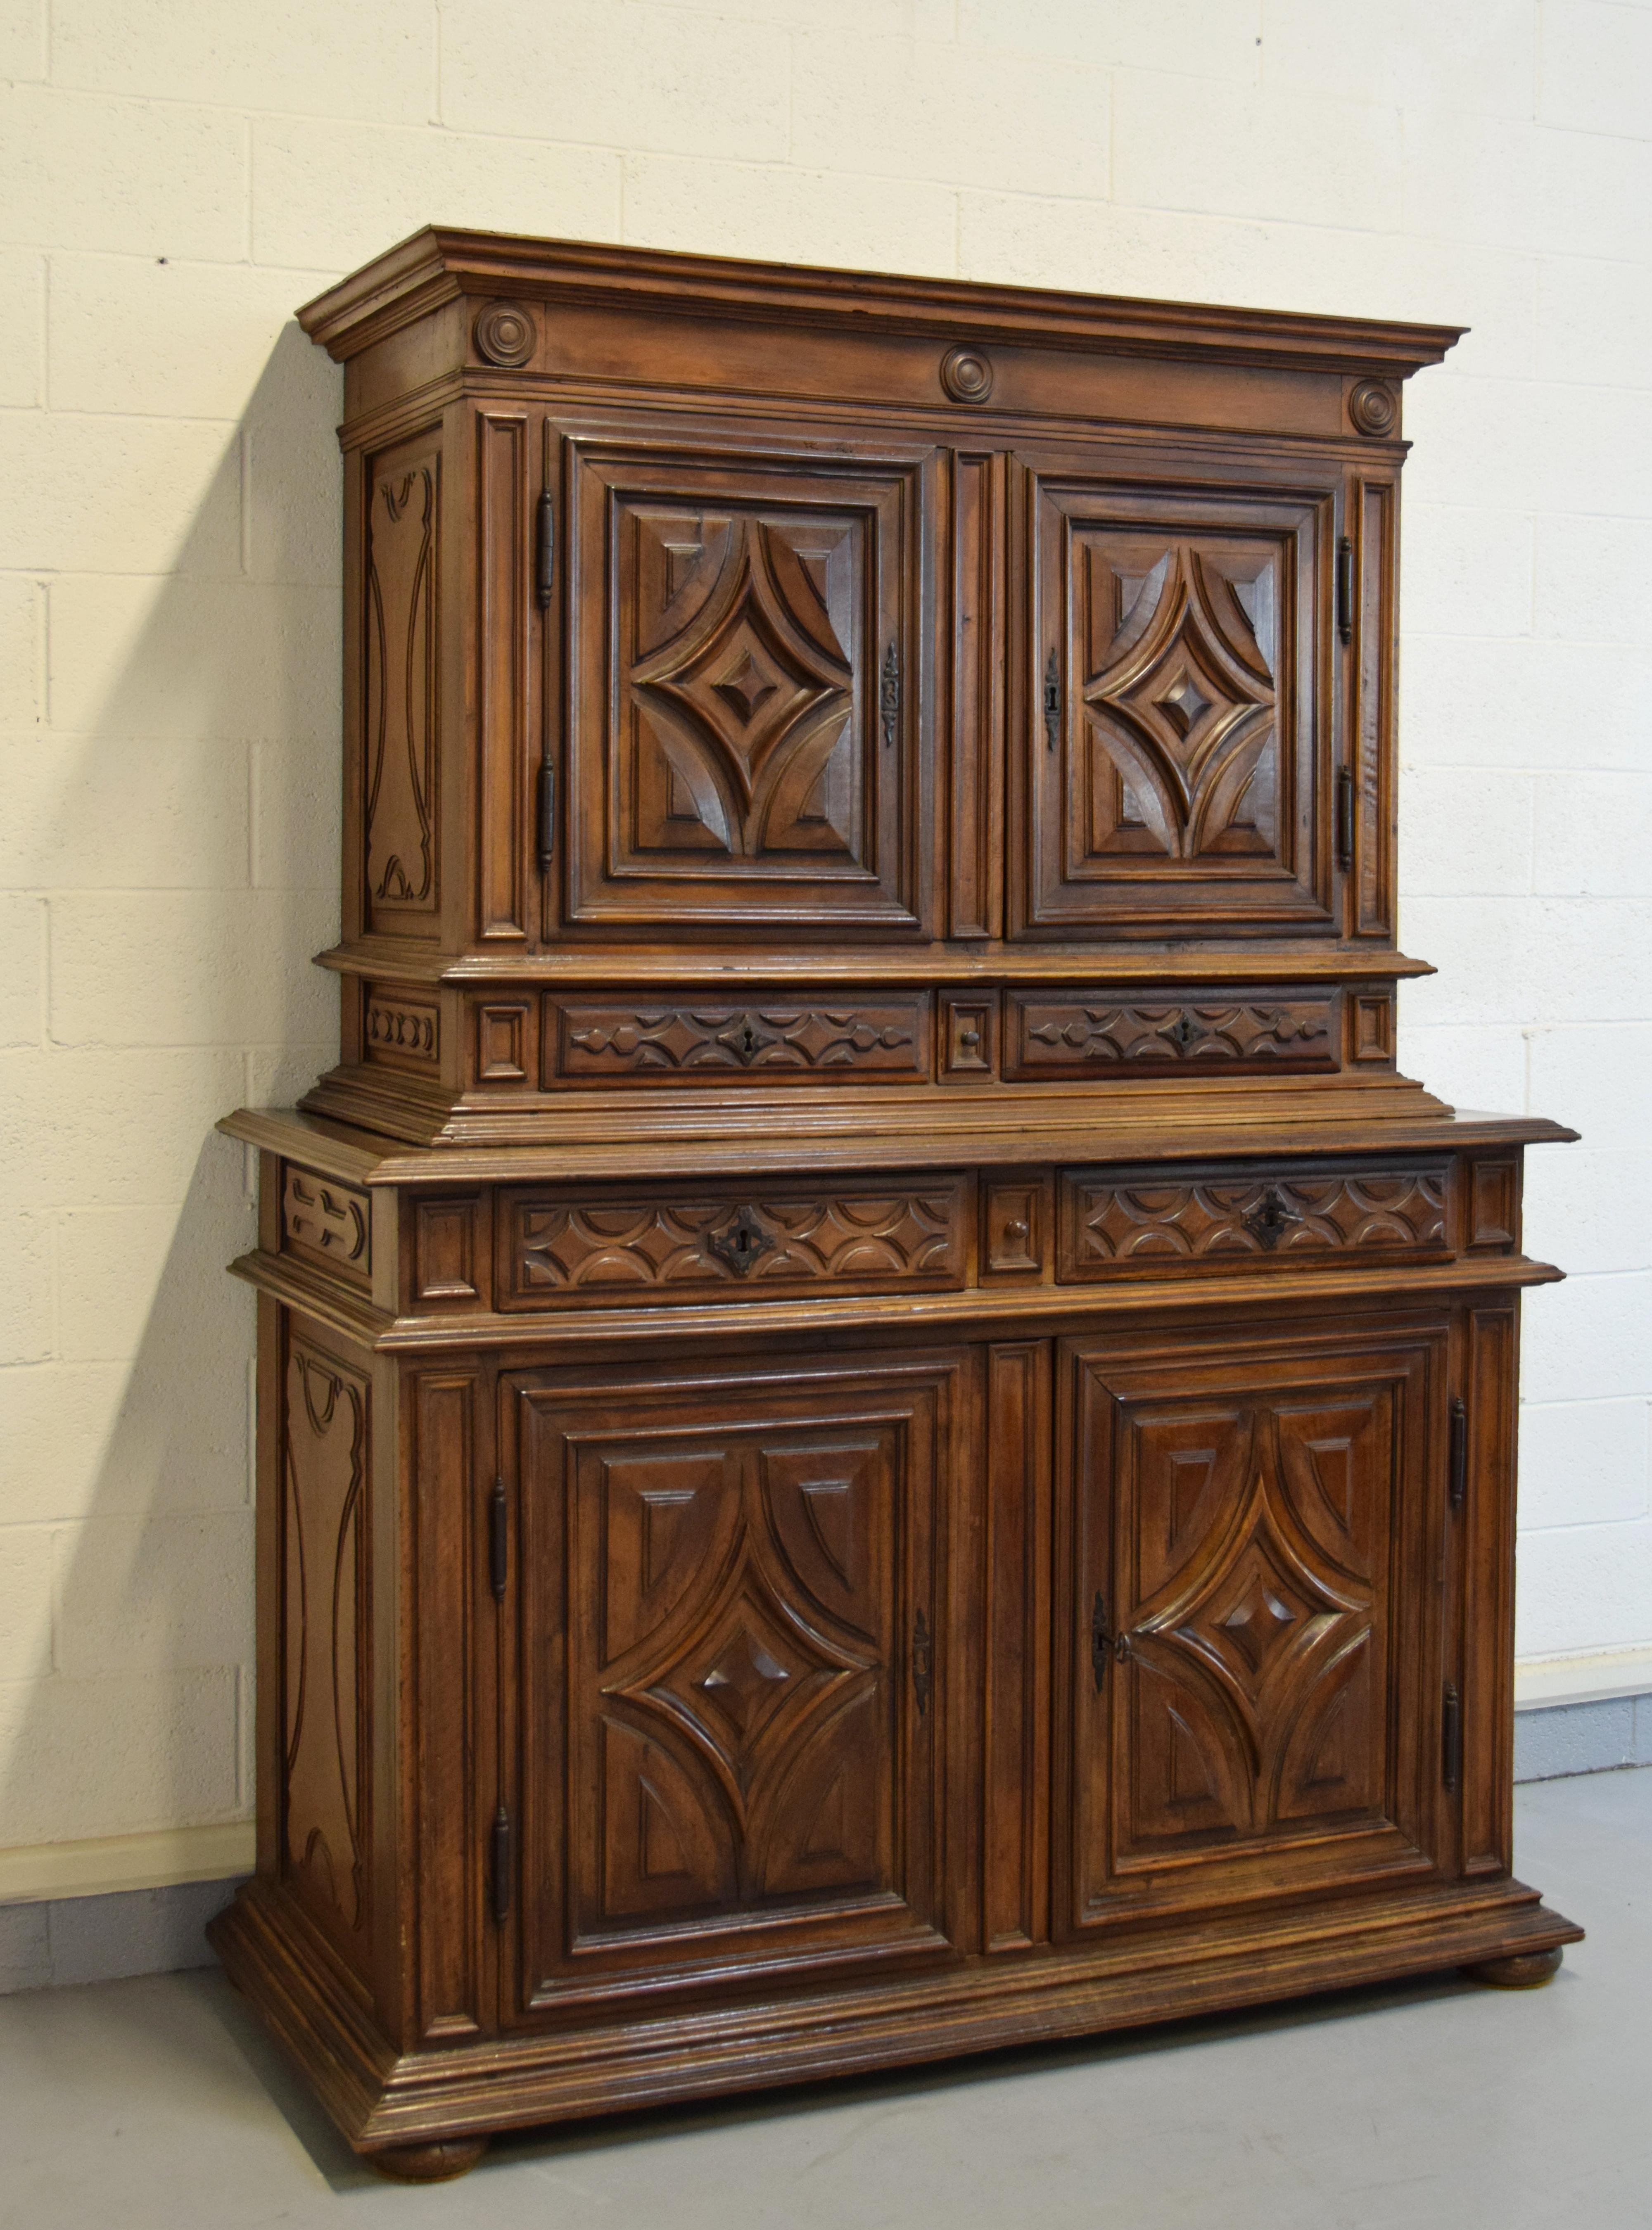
742,1678
1183,704
747,687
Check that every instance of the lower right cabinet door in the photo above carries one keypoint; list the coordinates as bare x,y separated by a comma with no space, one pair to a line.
1254,1701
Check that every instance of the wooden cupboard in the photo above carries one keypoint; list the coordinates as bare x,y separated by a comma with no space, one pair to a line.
883,1427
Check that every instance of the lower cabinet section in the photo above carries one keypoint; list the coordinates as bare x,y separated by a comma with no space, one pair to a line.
711,1714
733,1602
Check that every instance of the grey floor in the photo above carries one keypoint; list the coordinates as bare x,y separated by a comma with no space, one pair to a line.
156,2102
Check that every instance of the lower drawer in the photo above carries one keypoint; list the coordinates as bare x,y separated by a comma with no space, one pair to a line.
1126,1220
684,1243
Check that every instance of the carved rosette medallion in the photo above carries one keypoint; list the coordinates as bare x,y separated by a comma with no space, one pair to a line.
504,333
1374,408
966,374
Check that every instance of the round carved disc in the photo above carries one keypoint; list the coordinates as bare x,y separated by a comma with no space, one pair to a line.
966,374
1374,408
504,333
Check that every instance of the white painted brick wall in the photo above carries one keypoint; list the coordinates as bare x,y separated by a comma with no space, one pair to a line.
176,175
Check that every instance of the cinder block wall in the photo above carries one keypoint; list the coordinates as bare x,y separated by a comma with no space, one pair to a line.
176,175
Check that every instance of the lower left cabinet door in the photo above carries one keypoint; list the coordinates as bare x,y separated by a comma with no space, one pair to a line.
729,1672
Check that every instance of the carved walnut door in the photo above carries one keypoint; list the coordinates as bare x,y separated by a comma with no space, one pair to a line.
1175,770
747,688
1255,1678
732,1674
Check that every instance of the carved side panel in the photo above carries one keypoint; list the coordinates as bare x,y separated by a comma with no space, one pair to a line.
1060,1037
1016,1618
326,1640
502,669
1375,506
326,1222
747,703
702,1038
1134,1220
402,1030
401,705
620,1249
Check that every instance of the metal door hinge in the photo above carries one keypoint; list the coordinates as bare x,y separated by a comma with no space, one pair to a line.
1052,700
1451,1737
500,1864
545,549
921,1666
889,693
1459,1450
545,815
1344,590
1344,816
498,1541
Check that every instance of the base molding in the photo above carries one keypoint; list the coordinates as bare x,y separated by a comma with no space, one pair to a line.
380,2098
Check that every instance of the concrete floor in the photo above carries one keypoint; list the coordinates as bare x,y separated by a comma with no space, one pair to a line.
157,2105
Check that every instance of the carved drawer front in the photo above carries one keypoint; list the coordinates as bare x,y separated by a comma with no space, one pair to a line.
1119,1222
719,1041
687,1245
1214,1032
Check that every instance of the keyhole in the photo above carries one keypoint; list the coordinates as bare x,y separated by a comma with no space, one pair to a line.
748,1039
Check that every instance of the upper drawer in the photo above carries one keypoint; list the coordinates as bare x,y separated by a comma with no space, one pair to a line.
1226,1214
1075,1033
680,1243
686,1037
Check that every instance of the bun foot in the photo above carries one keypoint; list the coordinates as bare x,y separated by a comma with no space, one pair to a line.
438,2162
1521,1970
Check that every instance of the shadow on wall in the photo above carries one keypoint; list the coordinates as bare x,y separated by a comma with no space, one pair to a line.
198,790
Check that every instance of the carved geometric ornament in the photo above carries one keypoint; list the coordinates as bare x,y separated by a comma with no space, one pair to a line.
750,700
1182,703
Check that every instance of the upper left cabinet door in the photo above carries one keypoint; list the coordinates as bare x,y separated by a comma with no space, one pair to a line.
747,686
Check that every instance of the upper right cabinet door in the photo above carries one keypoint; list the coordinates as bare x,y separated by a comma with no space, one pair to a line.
1176,760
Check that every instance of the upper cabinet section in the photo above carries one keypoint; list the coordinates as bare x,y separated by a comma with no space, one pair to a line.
746,693
704,610
1176,779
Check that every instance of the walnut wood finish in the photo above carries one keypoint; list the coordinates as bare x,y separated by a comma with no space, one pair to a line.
883,1429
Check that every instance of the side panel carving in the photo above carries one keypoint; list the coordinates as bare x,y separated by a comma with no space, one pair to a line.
325,1631
1136,1219
503,671
327,1223
403,1030
1055,1037
400,697
678,1038
625,1250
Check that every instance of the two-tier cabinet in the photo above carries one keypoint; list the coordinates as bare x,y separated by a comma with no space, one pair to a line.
883,1427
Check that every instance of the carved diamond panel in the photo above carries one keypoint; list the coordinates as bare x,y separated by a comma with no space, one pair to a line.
736,618
1252,1680
693,1036
1177,755
738,1684
1182,699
